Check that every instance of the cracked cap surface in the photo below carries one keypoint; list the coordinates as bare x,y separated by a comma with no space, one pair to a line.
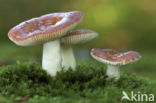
112,57
45,28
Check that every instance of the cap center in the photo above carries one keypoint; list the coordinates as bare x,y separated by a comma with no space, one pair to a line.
39,25
112,54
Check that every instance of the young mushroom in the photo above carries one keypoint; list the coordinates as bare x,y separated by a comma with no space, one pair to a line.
46,30
114,60
74,37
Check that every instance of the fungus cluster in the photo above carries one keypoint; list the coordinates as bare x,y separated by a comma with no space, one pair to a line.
54,32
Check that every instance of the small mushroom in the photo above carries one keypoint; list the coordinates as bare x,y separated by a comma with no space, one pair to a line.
74,37
46,30
114,60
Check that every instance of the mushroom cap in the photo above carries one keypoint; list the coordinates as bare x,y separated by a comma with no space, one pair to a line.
79,36
45,28
112,57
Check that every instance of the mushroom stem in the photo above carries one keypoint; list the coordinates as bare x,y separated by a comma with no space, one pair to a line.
113,71
68,58
51,61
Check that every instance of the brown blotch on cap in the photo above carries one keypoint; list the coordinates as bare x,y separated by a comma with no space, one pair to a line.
45,28
112,57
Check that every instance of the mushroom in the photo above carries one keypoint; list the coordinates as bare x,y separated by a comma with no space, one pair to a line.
74,37
114,60
46,30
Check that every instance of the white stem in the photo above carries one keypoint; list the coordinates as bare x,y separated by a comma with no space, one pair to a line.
51,61
113,72
68,59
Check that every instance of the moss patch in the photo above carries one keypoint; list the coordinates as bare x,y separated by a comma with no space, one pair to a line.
23,82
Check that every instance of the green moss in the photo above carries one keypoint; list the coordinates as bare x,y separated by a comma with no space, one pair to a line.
87,84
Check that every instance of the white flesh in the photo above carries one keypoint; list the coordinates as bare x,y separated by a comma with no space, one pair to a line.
51,61
113,72
68,59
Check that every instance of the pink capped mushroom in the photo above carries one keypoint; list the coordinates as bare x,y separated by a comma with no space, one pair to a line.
72,38
46,30
114,60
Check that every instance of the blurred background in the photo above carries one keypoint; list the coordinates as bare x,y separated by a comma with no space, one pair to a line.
122,25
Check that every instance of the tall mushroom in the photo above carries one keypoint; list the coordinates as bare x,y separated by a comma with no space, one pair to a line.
46,30
74,37
114,60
